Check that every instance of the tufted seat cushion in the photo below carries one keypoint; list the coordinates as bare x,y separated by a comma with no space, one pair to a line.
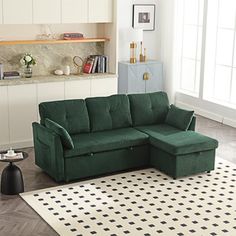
148,109
108,113
70,114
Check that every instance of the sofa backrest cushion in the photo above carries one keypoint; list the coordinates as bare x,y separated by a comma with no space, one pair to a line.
70,114
149,108
106,113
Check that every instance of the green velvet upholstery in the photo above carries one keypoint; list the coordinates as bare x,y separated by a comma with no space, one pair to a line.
182,165
179,118
70,114
117,133
49,152
108,113
149,108
107,162
183,142
161,129
106,141
65,137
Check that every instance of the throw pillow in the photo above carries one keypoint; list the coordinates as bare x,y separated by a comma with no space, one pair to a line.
179,118
58,129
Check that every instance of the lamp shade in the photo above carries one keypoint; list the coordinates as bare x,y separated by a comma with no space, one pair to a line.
131,35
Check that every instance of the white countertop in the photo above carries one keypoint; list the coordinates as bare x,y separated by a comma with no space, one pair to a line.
54,78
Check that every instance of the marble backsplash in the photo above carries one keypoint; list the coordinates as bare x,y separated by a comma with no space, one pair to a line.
49,57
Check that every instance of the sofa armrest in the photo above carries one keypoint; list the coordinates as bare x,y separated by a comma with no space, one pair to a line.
48,151
192,124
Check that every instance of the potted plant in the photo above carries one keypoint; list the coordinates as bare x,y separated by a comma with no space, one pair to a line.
28,61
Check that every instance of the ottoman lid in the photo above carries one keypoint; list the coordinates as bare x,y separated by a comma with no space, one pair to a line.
183,142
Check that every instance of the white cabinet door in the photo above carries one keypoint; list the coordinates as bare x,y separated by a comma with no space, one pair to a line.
4,125
0,11
77,89
74,11
46,11
100,11
49,92
17,12
22,112
103,87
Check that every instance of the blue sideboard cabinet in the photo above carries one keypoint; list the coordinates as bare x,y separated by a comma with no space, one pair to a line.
141,77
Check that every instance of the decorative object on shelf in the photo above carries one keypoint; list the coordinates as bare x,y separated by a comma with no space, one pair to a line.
96,64
78,62
11,75
72,36
28,61
58,72
46,33
28,72
144,16
132,36
136,35
66,70
142,55
145,55
88,65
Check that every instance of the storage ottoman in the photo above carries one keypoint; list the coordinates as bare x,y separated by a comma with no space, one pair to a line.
183,153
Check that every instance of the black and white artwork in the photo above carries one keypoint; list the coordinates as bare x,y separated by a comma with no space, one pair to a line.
144,16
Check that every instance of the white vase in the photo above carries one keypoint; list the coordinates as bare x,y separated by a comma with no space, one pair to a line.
66,70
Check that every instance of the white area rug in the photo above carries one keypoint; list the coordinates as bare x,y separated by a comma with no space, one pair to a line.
144,202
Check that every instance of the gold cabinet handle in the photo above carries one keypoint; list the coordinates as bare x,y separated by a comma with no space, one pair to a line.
146,76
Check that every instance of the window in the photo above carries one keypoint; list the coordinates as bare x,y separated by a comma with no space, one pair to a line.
205,50
189,40
220,54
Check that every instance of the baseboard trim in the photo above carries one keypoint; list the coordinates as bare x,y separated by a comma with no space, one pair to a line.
229,122
207,114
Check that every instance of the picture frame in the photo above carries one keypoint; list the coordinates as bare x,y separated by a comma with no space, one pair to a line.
144,16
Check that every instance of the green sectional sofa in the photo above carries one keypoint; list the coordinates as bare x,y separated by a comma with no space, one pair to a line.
84,138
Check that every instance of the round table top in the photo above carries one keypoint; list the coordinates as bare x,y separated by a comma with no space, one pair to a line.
12,159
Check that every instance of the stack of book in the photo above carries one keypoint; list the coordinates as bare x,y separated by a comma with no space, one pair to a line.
11,75
96,64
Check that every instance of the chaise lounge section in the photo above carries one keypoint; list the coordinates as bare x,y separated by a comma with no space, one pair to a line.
84,138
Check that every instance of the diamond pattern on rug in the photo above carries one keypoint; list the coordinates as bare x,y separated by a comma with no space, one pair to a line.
144,202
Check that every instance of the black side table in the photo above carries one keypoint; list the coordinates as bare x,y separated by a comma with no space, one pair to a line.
12,180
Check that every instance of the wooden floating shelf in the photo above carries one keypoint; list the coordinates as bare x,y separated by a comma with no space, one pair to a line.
61,41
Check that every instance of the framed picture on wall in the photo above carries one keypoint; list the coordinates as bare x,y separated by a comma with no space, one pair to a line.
144,16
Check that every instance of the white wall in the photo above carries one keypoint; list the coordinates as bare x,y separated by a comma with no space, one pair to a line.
159,43
151,39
